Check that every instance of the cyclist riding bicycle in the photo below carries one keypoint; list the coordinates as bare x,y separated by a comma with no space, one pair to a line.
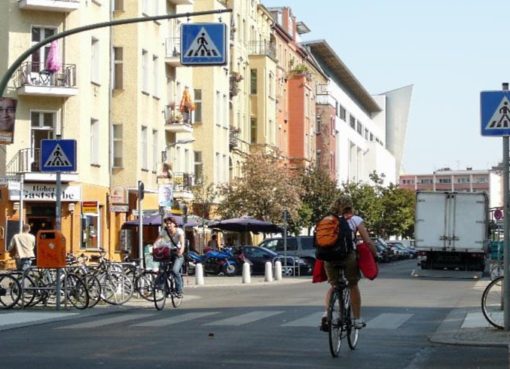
173,236
343,207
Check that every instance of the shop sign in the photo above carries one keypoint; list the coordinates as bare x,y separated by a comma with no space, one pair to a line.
119,208
118,195
43,192
89,207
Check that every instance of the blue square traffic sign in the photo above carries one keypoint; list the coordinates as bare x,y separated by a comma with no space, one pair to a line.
495,113
203,44
58,156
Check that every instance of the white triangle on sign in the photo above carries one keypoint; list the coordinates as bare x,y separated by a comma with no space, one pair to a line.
202,46
501,117
57,158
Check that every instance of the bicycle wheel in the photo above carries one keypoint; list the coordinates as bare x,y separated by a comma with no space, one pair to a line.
352,333
76,291
492,303
10,291
93,288
335,323
144,285
160,291
176,299
116,288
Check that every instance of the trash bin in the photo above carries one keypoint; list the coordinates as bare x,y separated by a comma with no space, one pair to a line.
51,249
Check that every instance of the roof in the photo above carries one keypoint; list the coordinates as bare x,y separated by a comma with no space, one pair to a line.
337,70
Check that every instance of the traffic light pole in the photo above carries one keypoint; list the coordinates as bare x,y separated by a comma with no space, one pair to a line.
8,74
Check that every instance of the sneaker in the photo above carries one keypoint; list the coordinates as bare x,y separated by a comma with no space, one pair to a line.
178,295
359,323
324,324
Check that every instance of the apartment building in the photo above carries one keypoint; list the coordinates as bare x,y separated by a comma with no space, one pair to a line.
468,180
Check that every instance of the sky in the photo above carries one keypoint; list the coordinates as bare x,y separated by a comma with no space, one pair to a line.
449,50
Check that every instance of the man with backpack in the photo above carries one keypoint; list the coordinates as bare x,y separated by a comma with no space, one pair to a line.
350,224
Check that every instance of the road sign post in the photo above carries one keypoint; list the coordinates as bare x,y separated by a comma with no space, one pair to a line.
495,119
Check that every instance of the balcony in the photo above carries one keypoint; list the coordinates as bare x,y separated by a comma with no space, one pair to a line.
262,48
173,51
177,122
233,137
181,2
61,6
30,80
27,161
183,185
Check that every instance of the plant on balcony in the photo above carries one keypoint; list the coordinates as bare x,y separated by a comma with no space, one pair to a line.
300,70
175,117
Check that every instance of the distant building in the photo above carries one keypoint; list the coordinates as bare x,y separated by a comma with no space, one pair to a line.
468,180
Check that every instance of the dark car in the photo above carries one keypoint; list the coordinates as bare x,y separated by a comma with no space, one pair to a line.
258,256
409,252
301,246
384,254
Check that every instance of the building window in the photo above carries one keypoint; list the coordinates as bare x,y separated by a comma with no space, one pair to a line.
42,126
444,180
218,108
352,122
94,61
462,179
118,56
38,57
118,5
145,71
343,113
155,150
253,131
155,75
359,127
253,81
117,145
143,148
318,122
199,168
198,106
94,142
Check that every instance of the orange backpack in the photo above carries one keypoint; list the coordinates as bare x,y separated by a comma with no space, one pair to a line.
332,238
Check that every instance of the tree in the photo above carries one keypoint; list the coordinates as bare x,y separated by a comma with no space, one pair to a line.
318,193
203,196
264,191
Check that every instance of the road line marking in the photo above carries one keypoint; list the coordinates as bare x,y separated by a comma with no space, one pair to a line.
311,320
245,318
174,319
107,321
388,321
29,317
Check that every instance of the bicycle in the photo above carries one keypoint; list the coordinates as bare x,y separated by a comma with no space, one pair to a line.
164,286
493,303
10,291
339,317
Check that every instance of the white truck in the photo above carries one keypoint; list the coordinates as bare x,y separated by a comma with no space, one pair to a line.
451,230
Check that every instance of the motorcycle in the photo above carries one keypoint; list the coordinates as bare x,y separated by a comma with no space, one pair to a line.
215,262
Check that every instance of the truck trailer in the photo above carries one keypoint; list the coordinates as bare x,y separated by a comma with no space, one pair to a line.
451,230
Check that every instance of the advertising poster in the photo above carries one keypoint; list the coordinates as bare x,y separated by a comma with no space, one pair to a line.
7,119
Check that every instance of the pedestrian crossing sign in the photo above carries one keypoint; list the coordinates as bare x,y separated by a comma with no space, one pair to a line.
58,156
495,113
203,44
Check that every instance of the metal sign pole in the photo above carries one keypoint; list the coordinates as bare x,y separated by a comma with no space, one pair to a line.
506,219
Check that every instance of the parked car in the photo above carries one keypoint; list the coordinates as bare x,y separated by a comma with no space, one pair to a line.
257,256
409,252
384,253
301,246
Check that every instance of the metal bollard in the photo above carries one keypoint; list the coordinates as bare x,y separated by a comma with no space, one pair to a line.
246,273
199,274
278,270
269,272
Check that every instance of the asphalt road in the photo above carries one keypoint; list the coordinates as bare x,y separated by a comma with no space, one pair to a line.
261,327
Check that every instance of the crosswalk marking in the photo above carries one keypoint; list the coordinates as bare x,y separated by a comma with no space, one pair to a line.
107,321
388,321
475,320
245,318
174,319
29,317
312,320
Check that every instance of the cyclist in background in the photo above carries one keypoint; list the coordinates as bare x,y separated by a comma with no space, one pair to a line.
343,207
173,236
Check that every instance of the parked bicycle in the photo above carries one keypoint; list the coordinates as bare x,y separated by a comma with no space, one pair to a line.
164,286
10,291
340,318
492,303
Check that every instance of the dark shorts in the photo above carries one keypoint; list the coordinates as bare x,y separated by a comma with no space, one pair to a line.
350,267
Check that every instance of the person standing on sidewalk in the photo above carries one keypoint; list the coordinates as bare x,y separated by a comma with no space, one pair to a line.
23,244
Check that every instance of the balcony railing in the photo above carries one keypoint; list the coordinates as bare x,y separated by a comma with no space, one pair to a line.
262,48
30,76
176,121
173,47
233,137
183,182
25,161
62,6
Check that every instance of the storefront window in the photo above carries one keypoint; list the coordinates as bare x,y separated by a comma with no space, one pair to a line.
90,231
